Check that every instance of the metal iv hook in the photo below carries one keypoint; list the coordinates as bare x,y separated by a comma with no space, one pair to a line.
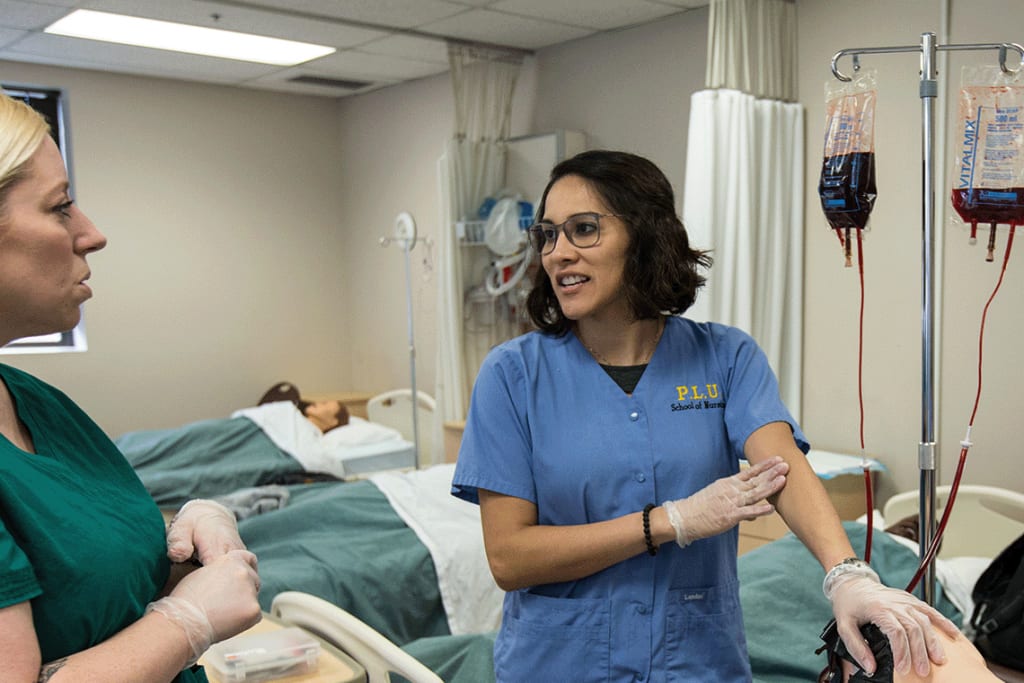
856,51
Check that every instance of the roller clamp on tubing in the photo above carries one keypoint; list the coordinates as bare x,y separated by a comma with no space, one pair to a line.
851,565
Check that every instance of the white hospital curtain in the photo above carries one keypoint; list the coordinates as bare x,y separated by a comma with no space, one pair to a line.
743,200
472,166
752,47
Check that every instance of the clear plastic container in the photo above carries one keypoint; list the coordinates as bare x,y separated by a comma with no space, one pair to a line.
264,656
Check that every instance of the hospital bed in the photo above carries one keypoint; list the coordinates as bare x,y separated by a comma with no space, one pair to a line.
210,458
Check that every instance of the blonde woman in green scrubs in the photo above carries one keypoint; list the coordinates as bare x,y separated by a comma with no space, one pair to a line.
88,590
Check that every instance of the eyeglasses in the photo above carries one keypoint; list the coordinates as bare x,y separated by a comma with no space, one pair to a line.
582,230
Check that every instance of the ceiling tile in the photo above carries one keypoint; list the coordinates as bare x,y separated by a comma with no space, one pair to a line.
363,66
410,47
599,14
498,28
402,13
9,36
686,4
29,15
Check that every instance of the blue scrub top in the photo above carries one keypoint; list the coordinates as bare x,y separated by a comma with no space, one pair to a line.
547,424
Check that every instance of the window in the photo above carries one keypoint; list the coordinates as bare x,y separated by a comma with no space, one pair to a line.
52,104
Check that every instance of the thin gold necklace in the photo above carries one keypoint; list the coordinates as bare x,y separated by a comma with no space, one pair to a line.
653,344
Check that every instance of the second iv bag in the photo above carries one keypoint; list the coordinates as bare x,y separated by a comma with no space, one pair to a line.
988,179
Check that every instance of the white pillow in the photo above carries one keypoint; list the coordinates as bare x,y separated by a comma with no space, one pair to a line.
359,432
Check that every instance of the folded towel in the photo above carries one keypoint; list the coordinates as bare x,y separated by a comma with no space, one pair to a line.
254,500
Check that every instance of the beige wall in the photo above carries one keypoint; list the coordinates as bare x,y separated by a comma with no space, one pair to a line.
244,232
225,266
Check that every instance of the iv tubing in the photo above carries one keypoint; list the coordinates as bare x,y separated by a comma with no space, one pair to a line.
860,400
966,443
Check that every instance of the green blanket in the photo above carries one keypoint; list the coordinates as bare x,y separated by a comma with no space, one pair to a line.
205,459
783,607
344,543
784,610
456,659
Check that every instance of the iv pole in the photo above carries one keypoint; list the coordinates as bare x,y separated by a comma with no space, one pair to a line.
405,237
928,91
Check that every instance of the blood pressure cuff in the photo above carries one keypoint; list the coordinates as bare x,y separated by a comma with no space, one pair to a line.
836,652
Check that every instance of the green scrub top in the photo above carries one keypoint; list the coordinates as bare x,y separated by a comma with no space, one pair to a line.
79,535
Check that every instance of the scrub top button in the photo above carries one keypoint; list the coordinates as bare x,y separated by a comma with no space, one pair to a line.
634,416
640,476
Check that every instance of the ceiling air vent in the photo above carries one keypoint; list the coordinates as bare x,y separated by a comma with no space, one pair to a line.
331,82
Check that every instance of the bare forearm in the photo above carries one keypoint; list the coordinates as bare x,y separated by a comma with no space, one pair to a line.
539,554
149,651
805,506
803,503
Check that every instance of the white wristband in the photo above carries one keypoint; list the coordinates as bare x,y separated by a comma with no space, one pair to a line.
850,565
676,520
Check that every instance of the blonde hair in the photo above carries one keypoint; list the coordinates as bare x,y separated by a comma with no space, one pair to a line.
22,130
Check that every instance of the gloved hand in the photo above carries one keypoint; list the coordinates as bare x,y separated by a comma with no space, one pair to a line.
214,602
724,503
858,598
203,529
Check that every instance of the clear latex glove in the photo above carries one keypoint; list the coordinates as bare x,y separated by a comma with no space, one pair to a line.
202,529
214,602
908,623
724,503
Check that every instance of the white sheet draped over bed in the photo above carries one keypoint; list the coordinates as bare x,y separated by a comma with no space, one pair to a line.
334,452
450,528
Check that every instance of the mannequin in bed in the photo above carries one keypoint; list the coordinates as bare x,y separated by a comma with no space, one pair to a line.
87,587
326,415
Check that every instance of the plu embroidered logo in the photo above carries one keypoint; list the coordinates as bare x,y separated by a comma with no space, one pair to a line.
696,397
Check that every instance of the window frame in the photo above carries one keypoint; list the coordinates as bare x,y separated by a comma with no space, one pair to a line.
56,98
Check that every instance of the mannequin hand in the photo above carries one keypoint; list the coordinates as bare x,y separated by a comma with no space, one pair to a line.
724,503
907,622
214,602
204,529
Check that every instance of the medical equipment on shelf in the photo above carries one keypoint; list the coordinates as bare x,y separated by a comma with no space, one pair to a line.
504,233
988,176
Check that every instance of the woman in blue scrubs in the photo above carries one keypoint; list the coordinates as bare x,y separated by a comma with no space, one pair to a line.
88,591
604,451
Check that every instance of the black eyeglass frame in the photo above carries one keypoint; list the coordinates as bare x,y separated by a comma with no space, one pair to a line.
536,232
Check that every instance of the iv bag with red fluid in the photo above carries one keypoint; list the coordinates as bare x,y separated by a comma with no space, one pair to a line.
988,177
847,185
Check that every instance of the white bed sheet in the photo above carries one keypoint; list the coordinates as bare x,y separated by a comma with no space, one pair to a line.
450,529
359,447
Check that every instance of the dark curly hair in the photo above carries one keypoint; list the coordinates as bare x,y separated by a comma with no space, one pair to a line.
662,271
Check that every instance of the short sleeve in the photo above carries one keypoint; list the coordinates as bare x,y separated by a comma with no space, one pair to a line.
753,398
495,453
18,581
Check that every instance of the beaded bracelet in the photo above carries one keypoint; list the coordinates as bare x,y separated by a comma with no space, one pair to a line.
651,548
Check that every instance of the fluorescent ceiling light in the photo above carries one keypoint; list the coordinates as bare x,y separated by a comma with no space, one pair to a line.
166,35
